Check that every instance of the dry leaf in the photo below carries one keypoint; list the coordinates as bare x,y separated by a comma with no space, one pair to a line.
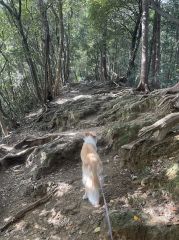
136,218
97,230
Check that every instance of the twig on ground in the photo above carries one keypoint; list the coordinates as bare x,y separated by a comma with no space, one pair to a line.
22,212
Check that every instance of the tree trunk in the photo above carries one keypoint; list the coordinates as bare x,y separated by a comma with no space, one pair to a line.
3,126
104,71
67,59
153,50
47,63
30,62
158,54
143,84
156,50
60,63
177,50
136,35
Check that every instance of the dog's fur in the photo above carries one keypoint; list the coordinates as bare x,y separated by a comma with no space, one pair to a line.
91,169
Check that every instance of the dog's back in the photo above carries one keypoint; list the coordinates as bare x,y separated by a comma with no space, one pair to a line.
92,169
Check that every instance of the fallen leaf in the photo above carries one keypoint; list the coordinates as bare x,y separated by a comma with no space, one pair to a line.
97,230
136,218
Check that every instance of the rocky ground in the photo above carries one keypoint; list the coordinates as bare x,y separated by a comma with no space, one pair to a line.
40,167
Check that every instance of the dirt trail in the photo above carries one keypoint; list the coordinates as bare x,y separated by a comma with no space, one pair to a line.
65,215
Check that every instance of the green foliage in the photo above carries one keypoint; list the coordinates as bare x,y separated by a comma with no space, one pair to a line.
88,26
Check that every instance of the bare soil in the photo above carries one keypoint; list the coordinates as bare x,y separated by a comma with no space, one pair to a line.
65,215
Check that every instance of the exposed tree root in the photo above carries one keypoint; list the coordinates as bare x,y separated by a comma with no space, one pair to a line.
32,141
4,149
133,144
166,99
160,128
22,212
18,158
143,88
170,102
174,89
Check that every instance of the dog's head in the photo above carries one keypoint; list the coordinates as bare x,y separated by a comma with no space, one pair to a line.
90,134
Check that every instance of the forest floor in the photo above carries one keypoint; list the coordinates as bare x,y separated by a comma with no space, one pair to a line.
64,215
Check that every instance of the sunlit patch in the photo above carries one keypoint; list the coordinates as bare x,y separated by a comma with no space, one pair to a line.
69,133
29,160
173,171
58,219
37,226
62,188
44,212
21,225
33,114
61,101
43,157
8,148
176,137
54,238
81,97
34,168
7,219
160,214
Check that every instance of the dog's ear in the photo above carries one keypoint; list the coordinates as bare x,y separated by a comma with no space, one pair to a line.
93,134
86,134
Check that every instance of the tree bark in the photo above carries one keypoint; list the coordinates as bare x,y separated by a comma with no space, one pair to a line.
3,126
103,55
59,80
158,54
67,58
136,35
143,84
177,50
155,68
47,64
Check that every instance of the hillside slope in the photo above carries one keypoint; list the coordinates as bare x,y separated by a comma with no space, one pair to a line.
41,168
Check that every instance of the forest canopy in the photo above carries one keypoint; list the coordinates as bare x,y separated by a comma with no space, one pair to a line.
47,44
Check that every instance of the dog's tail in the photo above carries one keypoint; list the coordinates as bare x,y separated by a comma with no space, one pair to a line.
92,184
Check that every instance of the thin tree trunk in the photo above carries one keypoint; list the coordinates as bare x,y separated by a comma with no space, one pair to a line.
143,84
155,59
153,50
3,126
136,35
47,63
177,50
60,62
104,56
104,71
30,62
67,59
158,54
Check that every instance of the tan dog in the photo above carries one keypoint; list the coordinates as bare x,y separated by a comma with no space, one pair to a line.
91,168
